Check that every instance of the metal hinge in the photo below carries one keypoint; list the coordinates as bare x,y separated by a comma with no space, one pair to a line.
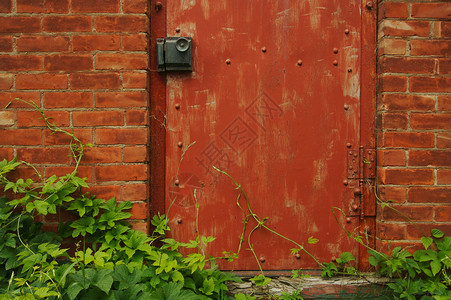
361,164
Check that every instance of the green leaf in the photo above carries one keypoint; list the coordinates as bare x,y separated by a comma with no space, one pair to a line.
435,267
427,241
437,233
103,280
73,290
347,257
41,206
208,286
260,280
312,240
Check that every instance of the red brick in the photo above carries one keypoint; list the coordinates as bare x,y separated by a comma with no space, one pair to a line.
121,173
403,28
430,84
137,117
34,118
431,10
444,66
25,137
95,81
444,176
140,226
6,153
122,99
134,80
430,47
416,213
406,65
105,192
429,158
25,172
6,44
66,23
121,24
128,136
121,61
406,102
20,63
40,6
68,100
135,192
96,42
20,24
391,158
443,140
430,121
7,118
5,6
137,154
391,231
392,121
443,214
393,10
408,139
416,232
392,83
95,6
68,62
42,43
391,46
45,155
97,118
429,195
406,176
7,97
41,81
134,6
393,194
442,29
135,42
82,172
84,135
387,246
6,81
102,155
139,211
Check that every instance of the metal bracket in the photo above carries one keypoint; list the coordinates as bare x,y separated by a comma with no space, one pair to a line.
365,157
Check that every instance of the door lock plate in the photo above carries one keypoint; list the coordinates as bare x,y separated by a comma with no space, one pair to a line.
174,54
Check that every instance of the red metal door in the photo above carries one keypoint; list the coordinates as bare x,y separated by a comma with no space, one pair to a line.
275,100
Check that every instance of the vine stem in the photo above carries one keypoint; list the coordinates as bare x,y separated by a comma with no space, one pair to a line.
260,223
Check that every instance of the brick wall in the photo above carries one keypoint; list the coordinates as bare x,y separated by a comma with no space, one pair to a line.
414,118
85,63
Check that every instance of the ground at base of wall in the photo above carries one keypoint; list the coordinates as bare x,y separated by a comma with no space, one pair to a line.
315,287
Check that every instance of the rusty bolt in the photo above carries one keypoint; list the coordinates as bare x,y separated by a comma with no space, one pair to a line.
357,191
346,31
177,182
345,182
335,62
158,6
180,144
355,155
262,259
228,61
300,62
355,207
334,259
335,50
369,4
348,145
263,49
349,70
368,231
179,221
346,107
298,256
177,106
177,29
348,220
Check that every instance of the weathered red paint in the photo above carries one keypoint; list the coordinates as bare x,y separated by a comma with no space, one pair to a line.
275,100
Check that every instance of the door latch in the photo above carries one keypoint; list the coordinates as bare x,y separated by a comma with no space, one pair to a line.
174,54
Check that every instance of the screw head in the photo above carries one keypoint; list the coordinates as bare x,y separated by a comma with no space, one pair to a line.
348,220
298,256
346,107
345,182
263,49
335,50
300,62
349,145
228,61
355,207
346,31
177,29
349,70
179,221
262,259
177,106
177,182
369,4
180,144
335,62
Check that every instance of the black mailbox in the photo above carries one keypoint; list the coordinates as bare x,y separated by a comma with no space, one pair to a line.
174,54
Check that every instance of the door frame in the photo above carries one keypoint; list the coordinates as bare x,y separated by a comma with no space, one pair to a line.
157,87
